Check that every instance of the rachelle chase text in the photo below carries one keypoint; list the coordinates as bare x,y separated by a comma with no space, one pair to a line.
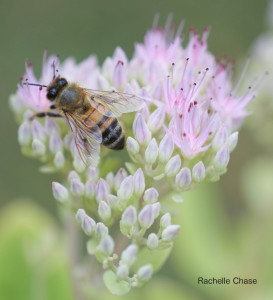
224,280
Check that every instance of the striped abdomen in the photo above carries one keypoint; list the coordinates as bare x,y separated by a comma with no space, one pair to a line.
112,133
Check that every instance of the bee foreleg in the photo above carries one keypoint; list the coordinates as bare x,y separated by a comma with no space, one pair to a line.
45,113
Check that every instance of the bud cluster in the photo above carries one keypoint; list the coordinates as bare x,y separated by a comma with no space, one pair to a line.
118,199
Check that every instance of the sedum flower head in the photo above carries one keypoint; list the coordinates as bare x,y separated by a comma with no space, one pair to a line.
180,138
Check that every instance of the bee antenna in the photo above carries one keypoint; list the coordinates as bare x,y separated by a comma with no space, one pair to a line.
36,84
54,71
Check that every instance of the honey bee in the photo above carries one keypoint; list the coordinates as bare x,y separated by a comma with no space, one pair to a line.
91,114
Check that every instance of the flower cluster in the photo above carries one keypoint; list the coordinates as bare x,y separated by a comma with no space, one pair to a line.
182,137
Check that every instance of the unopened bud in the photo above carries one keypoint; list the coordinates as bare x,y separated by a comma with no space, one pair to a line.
119,75
173,166
146,216
198,172
156,209
132,146
24,133
38,131
128,256
232,141
107,245
110,179
88,225
73,175
183,178
59,160
141,130
92,173
170,232
221,159
139,182
166,148
120,176
78,163
102,190
220,138
145,273
104,210
156,119
129,216
152,242
90,188
165,220
126,188
80,215
151,152
122,271
55,143
101,230
151,195
60,193
51,126
76,187
38,148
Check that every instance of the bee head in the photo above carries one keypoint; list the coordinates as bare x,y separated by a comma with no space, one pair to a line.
55,87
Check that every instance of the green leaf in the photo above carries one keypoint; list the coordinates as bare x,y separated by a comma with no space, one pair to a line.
115,286
155,257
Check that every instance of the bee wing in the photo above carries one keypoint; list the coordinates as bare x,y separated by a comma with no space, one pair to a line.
87,137
117,102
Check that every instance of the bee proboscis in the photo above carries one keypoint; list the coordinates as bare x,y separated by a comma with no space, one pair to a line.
91,114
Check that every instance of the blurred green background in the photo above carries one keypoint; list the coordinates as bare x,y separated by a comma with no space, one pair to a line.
226,227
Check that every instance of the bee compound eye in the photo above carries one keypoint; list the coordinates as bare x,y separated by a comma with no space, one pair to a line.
52,93
62,82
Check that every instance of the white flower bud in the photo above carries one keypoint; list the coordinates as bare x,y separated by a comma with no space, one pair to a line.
156,209
232,141
139,182
128,256
76,187
166,148
221,159
132,146
199,172
220,138
126,188
156,119
59,160
183,178
78,164
151,152
152,242
129,216
73,175
141,130
145,273
120,176
119,75
88,225
110,179
107,245
101,230
60,193
51,126
38,148
38,131
92,173
80,215
24,133
102,190
122,271
55,143
151,195
104,210
170,232
146,216
165,220
173,166
90,188
112,201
